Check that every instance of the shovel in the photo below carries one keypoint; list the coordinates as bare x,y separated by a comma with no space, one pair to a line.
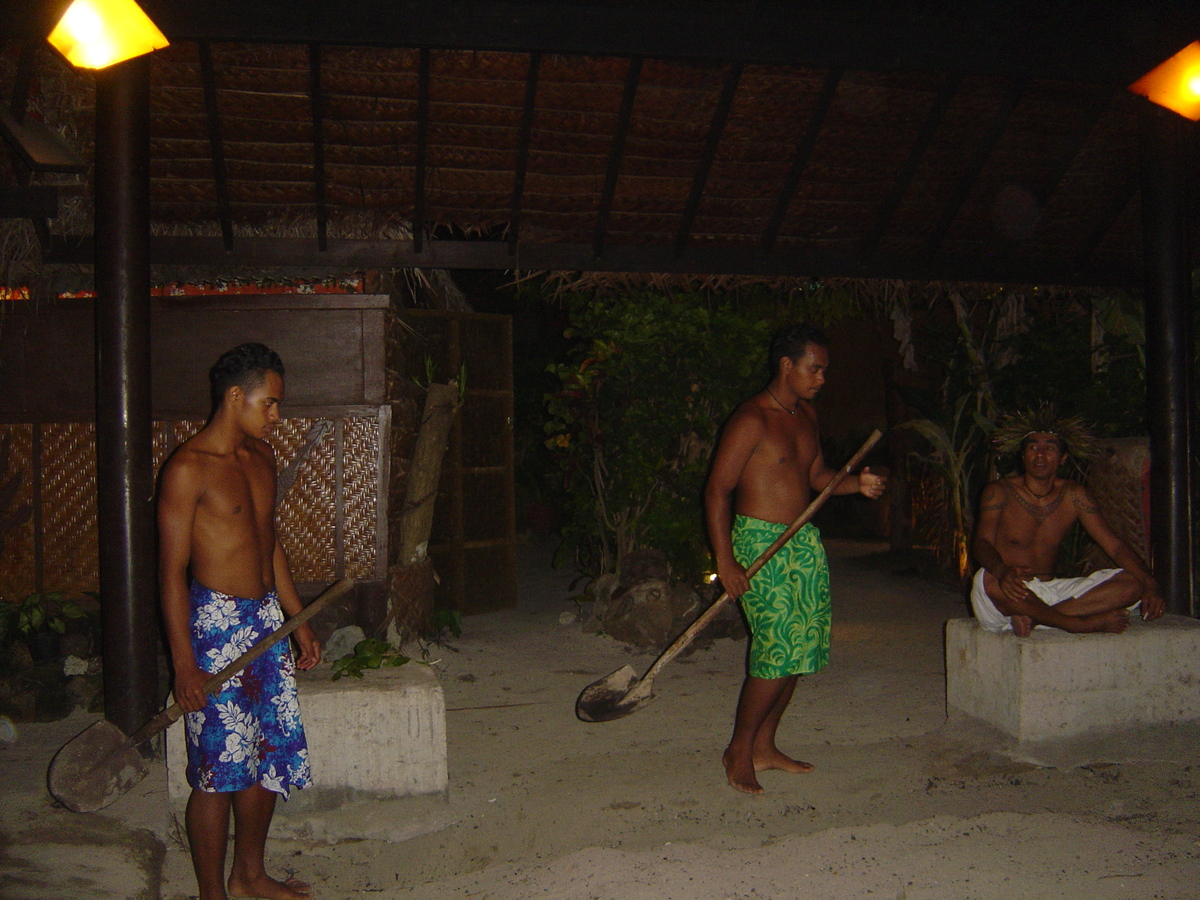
620,693
100,764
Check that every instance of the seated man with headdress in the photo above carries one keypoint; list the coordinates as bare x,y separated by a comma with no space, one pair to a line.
1022,522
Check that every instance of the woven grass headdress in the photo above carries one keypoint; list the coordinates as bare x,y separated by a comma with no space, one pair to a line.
1010,434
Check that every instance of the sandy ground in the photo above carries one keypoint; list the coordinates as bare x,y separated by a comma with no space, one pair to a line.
903,804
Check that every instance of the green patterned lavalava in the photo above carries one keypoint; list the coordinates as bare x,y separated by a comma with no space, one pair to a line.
787,605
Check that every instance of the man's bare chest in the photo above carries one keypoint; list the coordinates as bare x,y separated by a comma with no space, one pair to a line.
239,491
1025,526
789,441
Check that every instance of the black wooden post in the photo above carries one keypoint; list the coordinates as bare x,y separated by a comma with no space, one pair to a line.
1168,351
124,467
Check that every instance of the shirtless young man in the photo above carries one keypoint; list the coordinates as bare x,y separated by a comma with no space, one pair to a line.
225,585
769,456
1022,522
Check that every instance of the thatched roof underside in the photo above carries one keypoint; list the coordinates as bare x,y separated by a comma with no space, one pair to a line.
336,155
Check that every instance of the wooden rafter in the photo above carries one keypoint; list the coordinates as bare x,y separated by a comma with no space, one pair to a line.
1070,147
216,144
1021,40
632,76
527,114
418,219
26,70
318,126
804,148
970,176
1105,220
704,166
31,201
916,153
1072,144
478,254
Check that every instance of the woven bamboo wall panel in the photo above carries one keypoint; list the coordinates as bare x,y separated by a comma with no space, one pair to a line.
169,435
17,572
328,520
308,514
307,517
1115,479
70,561
360,491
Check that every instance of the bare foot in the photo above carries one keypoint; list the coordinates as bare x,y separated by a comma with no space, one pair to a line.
1022,625
774,759
268,888
1113,622
740,772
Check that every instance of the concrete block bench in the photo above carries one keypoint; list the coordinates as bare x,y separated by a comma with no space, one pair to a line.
1056,685
384,734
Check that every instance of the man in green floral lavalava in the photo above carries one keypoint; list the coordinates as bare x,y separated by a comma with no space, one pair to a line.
768,464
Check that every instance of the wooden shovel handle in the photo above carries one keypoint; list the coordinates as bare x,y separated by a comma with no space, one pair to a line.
711,613
165,718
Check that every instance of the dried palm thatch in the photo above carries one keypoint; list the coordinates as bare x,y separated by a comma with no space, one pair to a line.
474,160
1010,433
434,286
64,99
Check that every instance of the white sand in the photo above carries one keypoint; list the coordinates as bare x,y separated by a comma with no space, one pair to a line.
902,804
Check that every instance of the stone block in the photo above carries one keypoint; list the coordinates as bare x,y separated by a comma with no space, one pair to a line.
384,734
1054,685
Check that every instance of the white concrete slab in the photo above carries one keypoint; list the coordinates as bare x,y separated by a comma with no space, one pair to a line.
384,734
1052,684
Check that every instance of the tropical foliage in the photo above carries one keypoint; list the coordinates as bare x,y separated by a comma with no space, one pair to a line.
1007,351
635,416
652,374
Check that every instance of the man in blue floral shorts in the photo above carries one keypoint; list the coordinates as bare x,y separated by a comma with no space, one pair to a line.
225,585
769,458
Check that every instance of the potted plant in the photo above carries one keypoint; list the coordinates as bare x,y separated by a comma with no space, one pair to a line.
40,621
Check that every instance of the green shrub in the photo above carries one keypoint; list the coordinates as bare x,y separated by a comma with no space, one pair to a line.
635,417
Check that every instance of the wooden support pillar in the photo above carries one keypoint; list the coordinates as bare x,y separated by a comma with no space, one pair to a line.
1168,351
124,464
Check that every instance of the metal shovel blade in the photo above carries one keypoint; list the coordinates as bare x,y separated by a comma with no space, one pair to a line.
614,696
95,768
620,693
100,764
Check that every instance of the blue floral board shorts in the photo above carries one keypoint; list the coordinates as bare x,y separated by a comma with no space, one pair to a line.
249,732
787,605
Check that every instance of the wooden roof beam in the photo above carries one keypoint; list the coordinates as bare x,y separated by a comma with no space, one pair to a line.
527,114
1068,40
19,106
23,79
317,97
1106,220
799,161
345,253
700,179
947,90
38,202
1046,188
633,75
418,217
216,144
962,189
1072,145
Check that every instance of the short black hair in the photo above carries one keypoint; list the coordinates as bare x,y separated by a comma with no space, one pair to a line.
246,366
791,341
